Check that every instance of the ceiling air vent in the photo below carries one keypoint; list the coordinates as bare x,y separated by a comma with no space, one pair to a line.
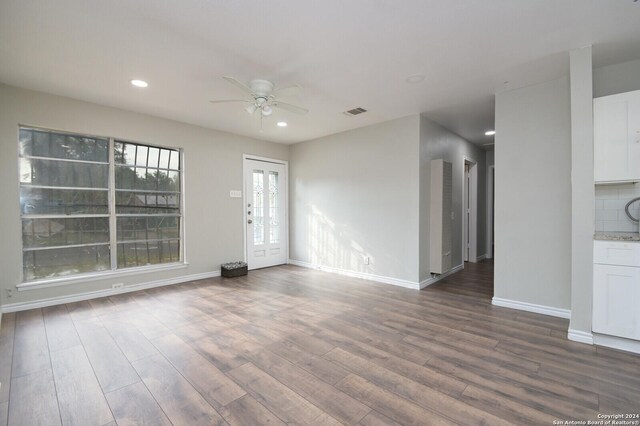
355,111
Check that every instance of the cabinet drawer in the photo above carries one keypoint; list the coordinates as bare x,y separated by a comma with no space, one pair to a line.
616,253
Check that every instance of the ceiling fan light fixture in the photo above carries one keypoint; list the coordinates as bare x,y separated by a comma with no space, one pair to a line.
267,111
251,109
264,97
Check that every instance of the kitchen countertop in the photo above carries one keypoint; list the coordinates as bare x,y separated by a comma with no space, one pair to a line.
616,236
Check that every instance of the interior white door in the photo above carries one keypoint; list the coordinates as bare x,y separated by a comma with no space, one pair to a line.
465,214
265,213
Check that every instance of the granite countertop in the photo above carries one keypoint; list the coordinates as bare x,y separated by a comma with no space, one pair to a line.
616,236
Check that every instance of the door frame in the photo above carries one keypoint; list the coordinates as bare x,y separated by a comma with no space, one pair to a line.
490,212
473,209
245,217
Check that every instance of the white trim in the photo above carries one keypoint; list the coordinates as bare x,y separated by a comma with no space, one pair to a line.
243,216
580,336
481,258
59,300
97,276
183,208
362,275
531,307
433,280
265,159
617,343
113,220
472,231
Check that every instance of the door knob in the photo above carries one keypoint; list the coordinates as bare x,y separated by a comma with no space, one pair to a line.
249,221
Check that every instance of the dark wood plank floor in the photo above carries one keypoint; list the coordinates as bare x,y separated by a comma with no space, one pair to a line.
288,345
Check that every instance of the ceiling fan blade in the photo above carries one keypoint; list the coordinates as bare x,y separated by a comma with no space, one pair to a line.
287,91
240,85
221,101
290,107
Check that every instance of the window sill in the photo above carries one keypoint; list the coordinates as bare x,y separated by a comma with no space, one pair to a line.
98,276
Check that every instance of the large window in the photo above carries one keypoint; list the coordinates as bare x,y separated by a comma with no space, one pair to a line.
93,204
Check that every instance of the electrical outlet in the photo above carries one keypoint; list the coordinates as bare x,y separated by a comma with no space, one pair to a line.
119,285
366,260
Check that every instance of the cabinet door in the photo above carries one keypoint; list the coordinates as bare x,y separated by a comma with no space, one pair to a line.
633,136
610,139
616,301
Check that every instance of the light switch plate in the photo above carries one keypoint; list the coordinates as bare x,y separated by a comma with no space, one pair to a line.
235,194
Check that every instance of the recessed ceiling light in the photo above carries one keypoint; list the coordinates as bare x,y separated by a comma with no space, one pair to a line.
139,83
282,124
490,132
415,78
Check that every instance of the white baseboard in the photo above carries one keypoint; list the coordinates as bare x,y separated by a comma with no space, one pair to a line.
23,306
580,336
362,275
481,258
433,280
530,307
617,343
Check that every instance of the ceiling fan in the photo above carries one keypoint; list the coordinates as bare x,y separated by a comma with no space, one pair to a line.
264,97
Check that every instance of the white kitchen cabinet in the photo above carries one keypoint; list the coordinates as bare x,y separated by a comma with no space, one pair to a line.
616,300
616,289
616,136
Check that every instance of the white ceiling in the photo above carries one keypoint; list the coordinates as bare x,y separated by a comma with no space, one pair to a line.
344,53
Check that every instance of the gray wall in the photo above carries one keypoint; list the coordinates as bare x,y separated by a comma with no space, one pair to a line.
355,194
213,166
438,142
533,195
490,158
618,78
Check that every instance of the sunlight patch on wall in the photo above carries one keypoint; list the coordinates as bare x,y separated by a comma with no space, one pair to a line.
332,245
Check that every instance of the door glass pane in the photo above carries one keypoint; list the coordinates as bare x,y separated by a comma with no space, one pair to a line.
274,209
258,207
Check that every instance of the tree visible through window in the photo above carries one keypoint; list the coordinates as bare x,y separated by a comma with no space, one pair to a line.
94,204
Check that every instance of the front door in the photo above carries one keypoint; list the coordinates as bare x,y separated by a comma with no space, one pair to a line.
265,213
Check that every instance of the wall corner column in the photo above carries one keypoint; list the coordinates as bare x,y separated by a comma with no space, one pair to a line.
582,194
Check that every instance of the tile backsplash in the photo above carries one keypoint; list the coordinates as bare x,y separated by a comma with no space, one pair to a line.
610,202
